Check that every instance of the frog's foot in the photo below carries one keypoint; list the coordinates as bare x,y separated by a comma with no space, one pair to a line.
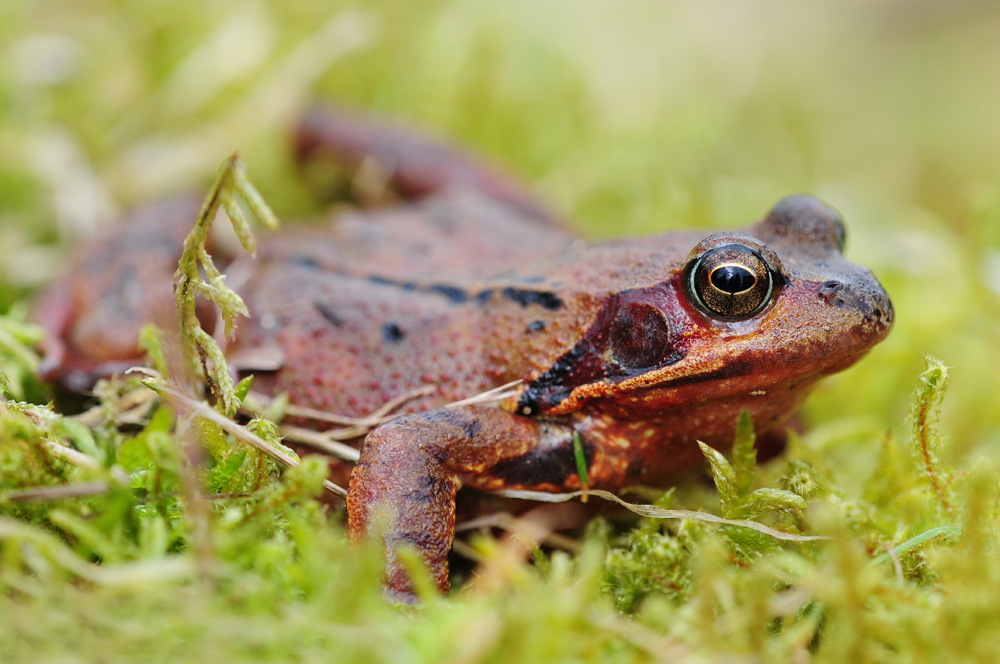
388,162
403,488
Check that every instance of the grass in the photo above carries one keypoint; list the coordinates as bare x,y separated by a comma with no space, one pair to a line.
629,117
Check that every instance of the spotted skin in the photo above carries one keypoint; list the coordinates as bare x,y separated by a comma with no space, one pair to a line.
466,284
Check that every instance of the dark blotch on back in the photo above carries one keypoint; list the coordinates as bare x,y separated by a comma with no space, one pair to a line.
328,313
453,293
304,261
392,333
546,299
535,326
382,281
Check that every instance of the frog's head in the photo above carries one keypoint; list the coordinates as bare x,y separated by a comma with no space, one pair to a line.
774,305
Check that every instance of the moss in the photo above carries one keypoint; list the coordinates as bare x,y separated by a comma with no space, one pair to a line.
629,117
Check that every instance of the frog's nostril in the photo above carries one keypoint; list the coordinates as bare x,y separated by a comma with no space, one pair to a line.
830,287
831,293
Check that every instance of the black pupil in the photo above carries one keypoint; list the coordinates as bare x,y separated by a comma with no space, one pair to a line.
733,279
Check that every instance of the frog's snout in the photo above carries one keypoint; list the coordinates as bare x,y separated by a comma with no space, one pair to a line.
866,299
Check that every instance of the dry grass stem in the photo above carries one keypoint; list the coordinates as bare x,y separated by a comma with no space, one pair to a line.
511,524
78,459
132,407
202,410
658,512
59,492
327,441
894,557
321,442
202,539
374,419
467,551
495,394
666,649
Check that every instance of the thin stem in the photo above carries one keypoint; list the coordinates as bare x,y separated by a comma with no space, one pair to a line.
923,438
202,410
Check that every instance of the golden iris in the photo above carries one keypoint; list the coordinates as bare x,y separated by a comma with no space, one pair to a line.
731,282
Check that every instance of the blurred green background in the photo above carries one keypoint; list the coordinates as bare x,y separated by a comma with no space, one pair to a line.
628,117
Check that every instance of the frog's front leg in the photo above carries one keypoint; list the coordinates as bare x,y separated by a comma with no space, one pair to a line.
411,467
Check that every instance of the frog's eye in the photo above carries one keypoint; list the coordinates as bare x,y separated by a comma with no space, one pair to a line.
730,282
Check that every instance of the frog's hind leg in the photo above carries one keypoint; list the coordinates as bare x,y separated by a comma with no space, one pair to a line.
123,281
403,488
387,162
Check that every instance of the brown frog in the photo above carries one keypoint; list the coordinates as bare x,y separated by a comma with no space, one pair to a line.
637,347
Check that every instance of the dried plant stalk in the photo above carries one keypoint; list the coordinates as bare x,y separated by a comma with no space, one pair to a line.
199,347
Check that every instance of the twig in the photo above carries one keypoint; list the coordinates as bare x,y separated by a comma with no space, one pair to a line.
657,512
466,551
202,410
495,394
508,522
319,441
58,492
201,539
894,556
377,417
78,459
396,402
132,403
659,648
326,441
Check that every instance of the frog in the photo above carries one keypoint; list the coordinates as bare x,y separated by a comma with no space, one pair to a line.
616,358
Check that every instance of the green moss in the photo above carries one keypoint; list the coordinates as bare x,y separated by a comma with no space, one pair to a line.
629,117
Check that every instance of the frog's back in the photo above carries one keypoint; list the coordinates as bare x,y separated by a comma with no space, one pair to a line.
347,343
440,216
377,303
455,235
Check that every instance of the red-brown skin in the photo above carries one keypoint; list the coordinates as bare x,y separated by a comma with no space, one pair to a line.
94,314
466,291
